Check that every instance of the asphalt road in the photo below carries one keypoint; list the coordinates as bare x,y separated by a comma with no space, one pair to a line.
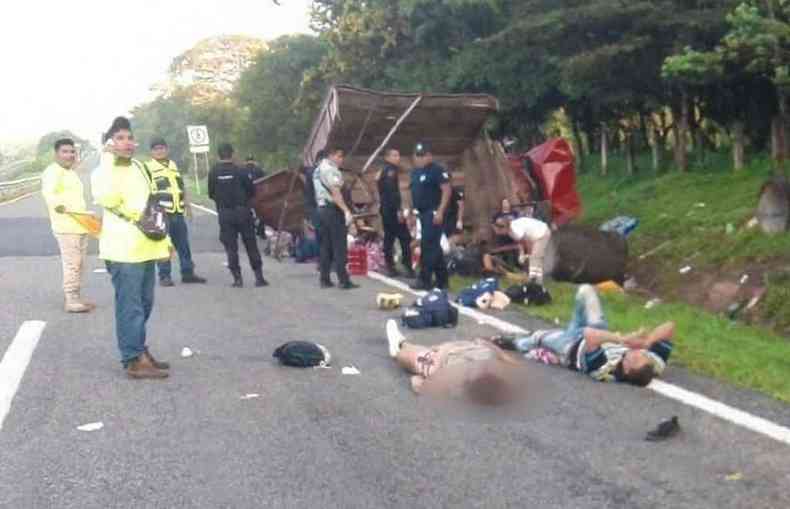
316,438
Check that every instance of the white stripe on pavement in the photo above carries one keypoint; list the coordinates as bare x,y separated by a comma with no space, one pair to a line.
15,361
204,209
671,391
713,407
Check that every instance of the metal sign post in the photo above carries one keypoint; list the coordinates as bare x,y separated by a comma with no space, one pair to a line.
199,143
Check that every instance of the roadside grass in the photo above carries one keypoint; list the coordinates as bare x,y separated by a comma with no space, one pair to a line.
690,210
706,344
687,215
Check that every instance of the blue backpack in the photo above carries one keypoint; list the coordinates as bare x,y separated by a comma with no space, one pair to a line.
468,296
433,310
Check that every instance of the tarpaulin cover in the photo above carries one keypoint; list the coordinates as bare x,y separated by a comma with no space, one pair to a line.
554,166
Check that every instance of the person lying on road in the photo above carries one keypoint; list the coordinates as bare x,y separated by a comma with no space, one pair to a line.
587,346
477,370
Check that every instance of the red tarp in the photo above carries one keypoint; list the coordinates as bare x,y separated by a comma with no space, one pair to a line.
553,167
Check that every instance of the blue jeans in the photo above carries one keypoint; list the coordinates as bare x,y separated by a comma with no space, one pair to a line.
587,313
134,300
179,234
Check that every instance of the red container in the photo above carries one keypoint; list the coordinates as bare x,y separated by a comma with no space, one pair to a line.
358,261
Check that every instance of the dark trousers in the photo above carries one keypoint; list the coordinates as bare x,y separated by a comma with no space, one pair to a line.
432,257
333,242
395,230
232,224
134,301
179,234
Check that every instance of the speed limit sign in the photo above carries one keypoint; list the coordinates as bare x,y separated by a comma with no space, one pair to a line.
198,135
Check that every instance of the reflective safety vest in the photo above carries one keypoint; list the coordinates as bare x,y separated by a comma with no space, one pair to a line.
168,185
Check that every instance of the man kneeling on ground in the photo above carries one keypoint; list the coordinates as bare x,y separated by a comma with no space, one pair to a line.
587,346
476,370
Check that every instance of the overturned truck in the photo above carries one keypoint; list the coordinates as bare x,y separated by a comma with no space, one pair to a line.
365,122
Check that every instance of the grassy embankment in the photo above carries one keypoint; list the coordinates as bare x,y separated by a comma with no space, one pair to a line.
669,207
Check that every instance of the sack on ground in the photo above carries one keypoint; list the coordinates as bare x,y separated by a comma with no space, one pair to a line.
469,296
387,301
302,354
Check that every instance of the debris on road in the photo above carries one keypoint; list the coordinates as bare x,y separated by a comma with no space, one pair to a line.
655,249
652,303
187,352
350,370
388,301
736,476
302,354
665,429
685,270
93,426
744,279
252,395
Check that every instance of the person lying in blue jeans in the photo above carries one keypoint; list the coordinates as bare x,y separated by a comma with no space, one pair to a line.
587,345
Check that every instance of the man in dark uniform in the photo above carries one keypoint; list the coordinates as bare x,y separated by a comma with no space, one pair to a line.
255,171
256,175
231,189
430,195
392,218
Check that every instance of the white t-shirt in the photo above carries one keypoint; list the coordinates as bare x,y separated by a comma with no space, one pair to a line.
527,228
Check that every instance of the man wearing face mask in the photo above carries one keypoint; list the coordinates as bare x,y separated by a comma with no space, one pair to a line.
122,186
62,190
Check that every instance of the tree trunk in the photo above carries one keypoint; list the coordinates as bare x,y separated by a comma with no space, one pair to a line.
629,153
654,140
578,149
779,135
604,151
738,145
681,129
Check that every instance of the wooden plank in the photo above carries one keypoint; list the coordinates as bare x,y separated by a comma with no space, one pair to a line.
403,117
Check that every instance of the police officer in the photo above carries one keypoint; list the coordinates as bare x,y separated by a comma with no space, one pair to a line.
335,218
430,194
169,186
392,217
256,172
256,175
231,189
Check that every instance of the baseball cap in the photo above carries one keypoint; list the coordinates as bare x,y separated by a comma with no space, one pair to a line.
422,149
158,142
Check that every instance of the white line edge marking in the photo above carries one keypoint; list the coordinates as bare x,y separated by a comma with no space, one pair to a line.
668,390
204,209
15,362
18,198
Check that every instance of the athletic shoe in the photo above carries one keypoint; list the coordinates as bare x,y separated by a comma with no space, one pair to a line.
394,337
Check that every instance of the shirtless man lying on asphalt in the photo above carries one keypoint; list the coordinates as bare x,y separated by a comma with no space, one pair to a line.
476,370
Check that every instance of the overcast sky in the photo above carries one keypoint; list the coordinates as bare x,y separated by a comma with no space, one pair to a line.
77,64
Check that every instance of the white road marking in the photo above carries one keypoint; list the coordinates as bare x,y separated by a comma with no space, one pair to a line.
204,209
18,198
15,361
671,391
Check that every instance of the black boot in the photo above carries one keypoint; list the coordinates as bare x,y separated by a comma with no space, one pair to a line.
259,279
409,272
237,281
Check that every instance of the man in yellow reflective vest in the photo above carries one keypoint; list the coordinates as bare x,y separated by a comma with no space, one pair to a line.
63,192
122,186
170,187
